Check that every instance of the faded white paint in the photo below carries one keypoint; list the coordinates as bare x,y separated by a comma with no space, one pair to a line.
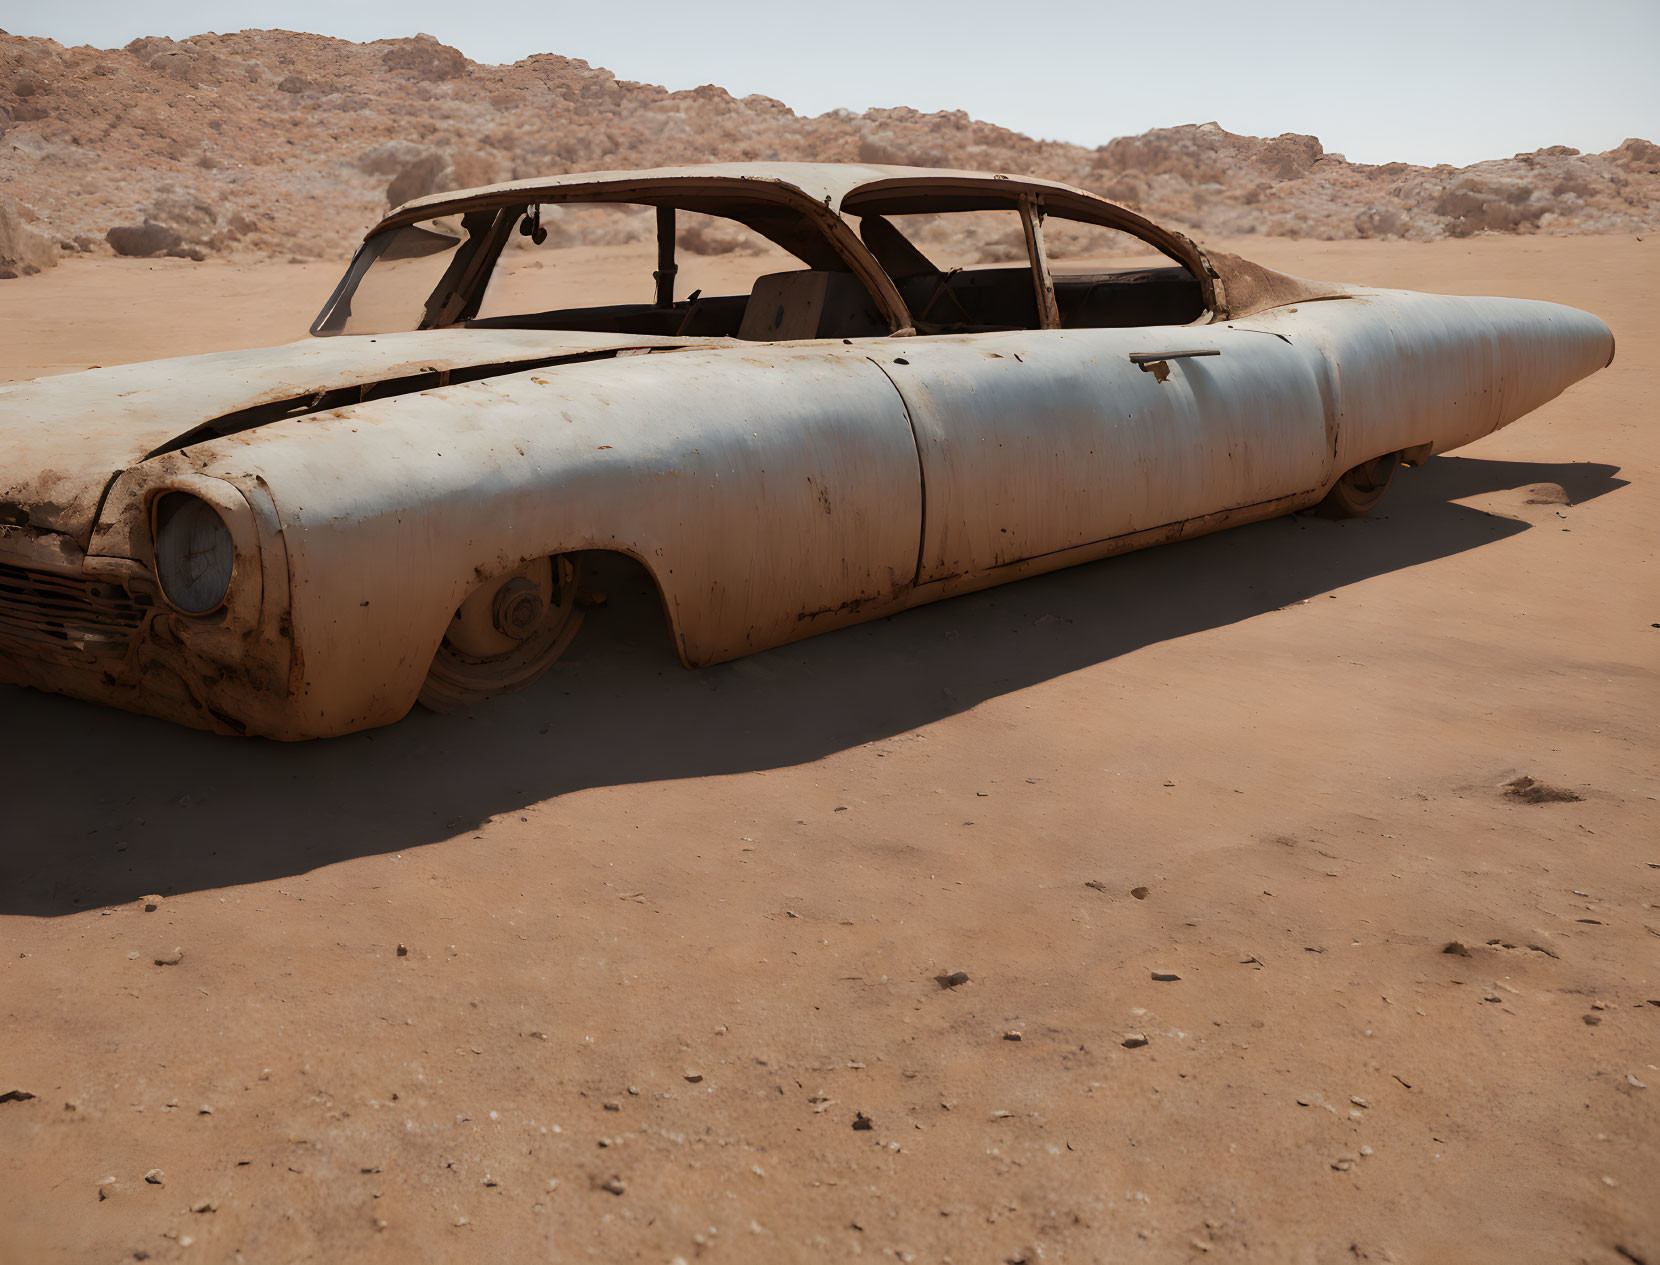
773,490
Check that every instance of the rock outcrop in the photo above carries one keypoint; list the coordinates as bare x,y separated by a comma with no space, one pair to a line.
277,144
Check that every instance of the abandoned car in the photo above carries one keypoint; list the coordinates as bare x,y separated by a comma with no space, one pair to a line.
306,540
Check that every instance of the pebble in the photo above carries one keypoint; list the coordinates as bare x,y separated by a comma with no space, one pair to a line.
1166,976
151,904
1140,893
1011,1035
1454,947
460,1221
1359,1102
403,949
1635,1082
204,1110
1592,1021
615,1185
952,979
106,1188
170,959
1366,1150
204,1205
156,1177
1343,1165
862,1122
1133,1041
612,1106
693,1076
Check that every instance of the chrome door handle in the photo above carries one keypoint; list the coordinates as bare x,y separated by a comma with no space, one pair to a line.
1157,363
1146,358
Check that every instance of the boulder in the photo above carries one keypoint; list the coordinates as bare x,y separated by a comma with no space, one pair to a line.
22,250
142,240
423,176
425,59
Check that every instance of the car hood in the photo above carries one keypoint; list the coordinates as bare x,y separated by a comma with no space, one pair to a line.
66,437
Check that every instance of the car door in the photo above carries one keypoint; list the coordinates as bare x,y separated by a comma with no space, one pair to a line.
1037,441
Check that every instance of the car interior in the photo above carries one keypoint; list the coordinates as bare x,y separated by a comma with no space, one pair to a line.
824,299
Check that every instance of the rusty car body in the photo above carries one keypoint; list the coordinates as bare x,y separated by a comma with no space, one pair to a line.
303,541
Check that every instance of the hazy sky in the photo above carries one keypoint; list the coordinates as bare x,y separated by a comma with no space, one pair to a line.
1419,80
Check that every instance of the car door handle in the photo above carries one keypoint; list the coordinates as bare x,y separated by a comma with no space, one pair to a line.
1157,363
1146,358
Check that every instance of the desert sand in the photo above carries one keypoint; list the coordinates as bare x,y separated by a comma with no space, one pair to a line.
619,968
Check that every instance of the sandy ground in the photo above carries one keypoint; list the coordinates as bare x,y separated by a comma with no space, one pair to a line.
614,968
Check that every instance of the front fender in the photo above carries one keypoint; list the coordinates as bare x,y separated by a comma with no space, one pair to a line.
771,492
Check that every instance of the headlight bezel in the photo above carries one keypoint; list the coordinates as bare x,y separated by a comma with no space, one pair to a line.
228,504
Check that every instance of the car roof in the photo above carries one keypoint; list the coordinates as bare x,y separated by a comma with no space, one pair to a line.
825,183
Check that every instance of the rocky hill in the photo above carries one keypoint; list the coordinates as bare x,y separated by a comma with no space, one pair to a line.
277,144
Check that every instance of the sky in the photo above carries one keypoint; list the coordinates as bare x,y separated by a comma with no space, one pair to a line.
1453,81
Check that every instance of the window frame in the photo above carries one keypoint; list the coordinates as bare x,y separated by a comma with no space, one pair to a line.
1035,202
695,194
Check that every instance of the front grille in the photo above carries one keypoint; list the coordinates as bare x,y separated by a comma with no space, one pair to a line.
44,609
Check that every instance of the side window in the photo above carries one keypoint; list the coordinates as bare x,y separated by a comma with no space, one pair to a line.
959,272
971,271
1106,278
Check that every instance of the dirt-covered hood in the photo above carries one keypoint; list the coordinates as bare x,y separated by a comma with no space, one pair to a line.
63,439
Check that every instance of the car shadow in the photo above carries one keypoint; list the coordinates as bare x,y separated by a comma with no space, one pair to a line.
102,807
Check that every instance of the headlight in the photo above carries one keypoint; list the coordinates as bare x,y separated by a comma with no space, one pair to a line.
194,553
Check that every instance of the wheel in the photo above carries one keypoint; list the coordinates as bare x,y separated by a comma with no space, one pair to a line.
506,634
1359,489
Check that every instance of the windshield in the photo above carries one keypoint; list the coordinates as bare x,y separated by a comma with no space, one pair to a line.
401,278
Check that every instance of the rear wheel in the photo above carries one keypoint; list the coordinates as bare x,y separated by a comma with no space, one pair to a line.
1359,489
506,634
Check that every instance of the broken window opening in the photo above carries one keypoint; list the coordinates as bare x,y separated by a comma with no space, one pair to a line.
748,268
977,260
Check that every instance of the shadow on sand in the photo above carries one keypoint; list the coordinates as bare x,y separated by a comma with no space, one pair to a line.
102,807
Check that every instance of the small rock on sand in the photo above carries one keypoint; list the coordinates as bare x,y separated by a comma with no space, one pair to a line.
1166,976
172,958
693,1076
1456,948
1140,893
1133,1041
1012,1035
156,1177
862,1122
952,979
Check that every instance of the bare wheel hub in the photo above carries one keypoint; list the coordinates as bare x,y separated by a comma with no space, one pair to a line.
517,608
506,633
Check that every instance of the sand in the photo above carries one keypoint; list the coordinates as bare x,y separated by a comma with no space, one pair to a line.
614,969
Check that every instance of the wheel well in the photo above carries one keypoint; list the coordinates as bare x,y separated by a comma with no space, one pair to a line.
637,609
